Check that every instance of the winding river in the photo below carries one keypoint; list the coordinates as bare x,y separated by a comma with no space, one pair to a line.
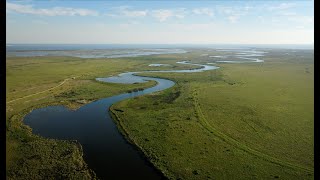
106,151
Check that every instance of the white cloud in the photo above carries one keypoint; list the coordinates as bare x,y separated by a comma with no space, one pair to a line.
247,8
282,6
294,17
302,19
163,14
160,14
127,12
56,11
233,14
233,18
203,11
135,13
286,13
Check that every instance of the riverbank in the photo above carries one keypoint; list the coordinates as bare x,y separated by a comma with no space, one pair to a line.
246,102
32,156
99,112
167,128
142,151
150,157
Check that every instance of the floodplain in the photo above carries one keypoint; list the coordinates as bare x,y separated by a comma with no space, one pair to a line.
244,120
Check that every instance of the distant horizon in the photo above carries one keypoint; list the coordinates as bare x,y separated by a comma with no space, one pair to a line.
153,44
36,46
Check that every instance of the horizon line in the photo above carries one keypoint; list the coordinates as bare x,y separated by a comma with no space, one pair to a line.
161,43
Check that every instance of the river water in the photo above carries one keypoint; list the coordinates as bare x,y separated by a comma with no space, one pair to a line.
105,149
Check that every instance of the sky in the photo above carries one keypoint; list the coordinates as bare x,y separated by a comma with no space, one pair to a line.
160,22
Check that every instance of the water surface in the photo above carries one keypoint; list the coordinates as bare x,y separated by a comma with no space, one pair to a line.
105,149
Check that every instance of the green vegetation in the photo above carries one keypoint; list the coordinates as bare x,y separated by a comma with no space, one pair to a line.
243,121
34,82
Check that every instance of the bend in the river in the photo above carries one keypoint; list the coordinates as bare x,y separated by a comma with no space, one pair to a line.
105,149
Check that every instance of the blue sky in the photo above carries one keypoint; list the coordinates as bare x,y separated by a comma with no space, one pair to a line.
160,22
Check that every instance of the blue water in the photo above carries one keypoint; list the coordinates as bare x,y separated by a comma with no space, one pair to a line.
15,47
132,77
123,50
105,149
89,51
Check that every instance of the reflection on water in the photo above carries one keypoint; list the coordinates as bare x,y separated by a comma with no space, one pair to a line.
157,65
131,77
240,54
95,53
105,149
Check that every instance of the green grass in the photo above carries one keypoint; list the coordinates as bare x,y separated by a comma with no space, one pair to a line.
244,121
33,157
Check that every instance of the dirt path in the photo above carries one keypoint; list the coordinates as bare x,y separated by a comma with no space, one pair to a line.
42,91
237,144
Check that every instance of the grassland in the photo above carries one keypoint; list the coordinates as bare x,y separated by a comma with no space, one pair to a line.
243,121
34,82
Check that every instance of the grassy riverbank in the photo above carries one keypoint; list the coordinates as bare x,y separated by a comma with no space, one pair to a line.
34,82
243,121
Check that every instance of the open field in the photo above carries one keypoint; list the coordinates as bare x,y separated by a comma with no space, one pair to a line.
244,121
34,82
